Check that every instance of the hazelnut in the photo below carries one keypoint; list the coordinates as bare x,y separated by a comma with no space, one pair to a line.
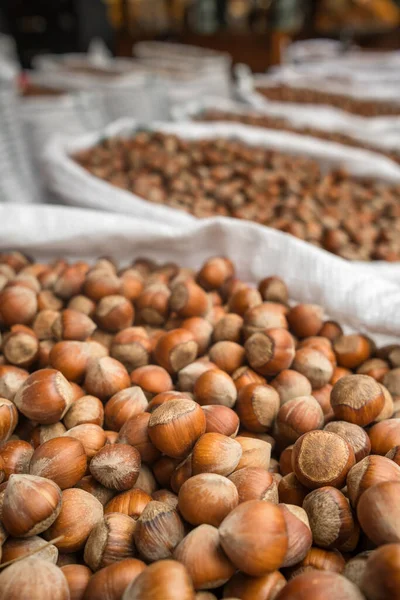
254,483
221,419
215,387
100,283
116,466
79,513
254,537
105,377
44,397
135,432
188,376
271,351
273,289
175,426
167,497
257,407
153,304
321,458
175,350
245,587
131,349
291,384
111,582
166,579
18,305
244,375
243,299
30,505
255,453
216,453
82,304
114,313
215,272
87,409
78,577
354,435
61,459
11,379
358,399
305,319
330,517
152,379
8,419
131,503
318,559
384,436
378,512
394,454
181,474
314,365
330,330
291,491
159,530
124,405
267,315
70,281
20,346
374,367
324,585
71,359
297,416
33,579
219,497
200,552
90,485
110,541
381,574
368,472
351,350
188,299
299,534
355,568
72,325
92,437
16,456
228,328
14,548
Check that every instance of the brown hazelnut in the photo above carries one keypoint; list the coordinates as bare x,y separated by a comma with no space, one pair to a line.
378,512
202,555
72,325
135,432
358,399
116,466
291,384
330,517
355,435
291,491
216,453
175,350
131,349
368,472
221,419
219,497
21,346
305,319
61,459
79,513
30,505
14,548
124,405
90,485
244,375
215,272
351,350
166,579
105,377
227,356
8,419
330,330
381,574
271,351
188,299
114,313
87,409
243,299
92,437
325,586
131,503
111,582
228,328
254,483
82,304
374,367
78,577
384,436
273,289
32,579
18,305
188,376
16,456
255,453
314,365
321,458
159,530
254,537
297,416
175,426
110,541
215,387
11,379
318,559
152,379
44,397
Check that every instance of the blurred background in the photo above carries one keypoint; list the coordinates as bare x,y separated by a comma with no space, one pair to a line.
251,31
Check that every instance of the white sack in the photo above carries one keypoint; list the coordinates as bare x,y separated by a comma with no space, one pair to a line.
350,295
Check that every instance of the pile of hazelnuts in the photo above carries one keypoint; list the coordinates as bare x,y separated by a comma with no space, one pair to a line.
357,218
167,434
357,106
272,122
